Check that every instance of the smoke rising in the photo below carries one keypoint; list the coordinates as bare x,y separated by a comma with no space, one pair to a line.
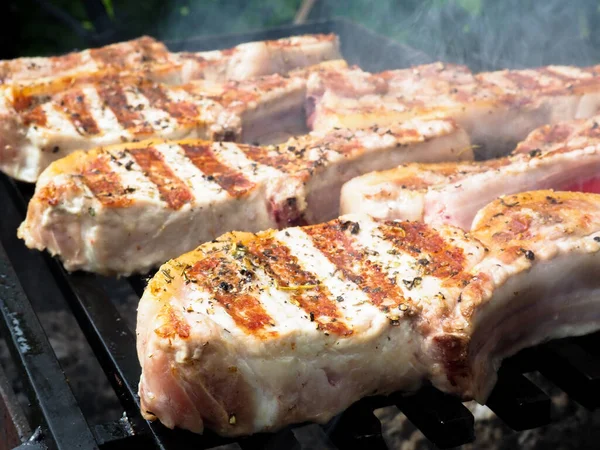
484,34
490,34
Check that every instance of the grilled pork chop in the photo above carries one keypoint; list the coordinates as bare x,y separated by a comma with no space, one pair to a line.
131,207
565,156
134,108
145,55
142,54
497,109
252,332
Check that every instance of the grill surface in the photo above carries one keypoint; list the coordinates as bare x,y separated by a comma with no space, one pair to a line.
28,277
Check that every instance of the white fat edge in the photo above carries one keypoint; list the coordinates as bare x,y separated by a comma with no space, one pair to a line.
521,165
87,62
521,161
230,154
246,61
375,141
159,120
58,129
106,120
359,314
581,244
205,192
81,208
401,203
436,127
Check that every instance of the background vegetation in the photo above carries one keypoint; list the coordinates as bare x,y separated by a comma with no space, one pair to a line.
484,32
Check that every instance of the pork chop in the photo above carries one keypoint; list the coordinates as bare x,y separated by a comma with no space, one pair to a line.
565,156
497,109
129,208
46,75
133,108
252,332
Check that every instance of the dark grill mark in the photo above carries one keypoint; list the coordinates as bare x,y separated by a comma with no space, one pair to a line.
284,269
104,183
36,116
202,156
246,310
74,106
22,102
172,189
269,156
183,112
113,96
337,245
418,240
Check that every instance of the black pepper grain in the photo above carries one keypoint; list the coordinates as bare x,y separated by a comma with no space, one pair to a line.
225,286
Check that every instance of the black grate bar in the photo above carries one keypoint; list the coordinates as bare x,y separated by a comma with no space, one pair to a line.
234,446
518,402
312,437
358,427
48,389
442,418
570,367
591,343
106,331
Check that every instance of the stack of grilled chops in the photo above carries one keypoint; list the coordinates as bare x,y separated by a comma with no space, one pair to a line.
439,267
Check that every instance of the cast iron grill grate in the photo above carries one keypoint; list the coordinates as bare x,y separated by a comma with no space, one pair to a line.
27,277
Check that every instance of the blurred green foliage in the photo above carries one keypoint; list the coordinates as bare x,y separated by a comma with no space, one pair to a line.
484,32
